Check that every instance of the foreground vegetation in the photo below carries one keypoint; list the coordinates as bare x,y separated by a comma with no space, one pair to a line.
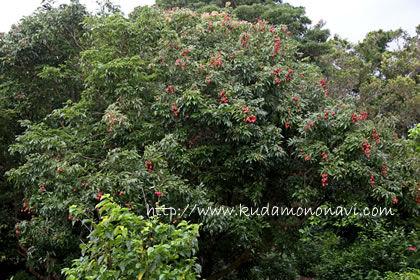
105,116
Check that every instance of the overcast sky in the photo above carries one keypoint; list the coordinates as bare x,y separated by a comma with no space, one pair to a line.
351,19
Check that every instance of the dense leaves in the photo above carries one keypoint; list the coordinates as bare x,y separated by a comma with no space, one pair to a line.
126,246
385,79
37,73
311,39
184,110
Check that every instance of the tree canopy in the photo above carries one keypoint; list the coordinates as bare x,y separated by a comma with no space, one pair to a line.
385,80
115,116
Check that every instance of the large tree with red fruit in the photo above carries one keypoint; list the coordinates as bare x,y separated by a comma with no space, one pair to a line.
184,109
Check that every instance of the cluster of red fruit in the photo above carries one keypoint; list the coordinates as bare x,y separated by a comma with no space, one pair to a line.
216,61
251,119
376,136
366,148
311,124
100,194
324,179
210,25
276,44
384,169
285,30
395,200
170,89
326,114
148,166
175,110
112,118
42,187
371,179
83,185
159,194
289,75
244,39
287,124
324,156
178,62
324,85
226,19
276,71
272,29
18,228
259,26
185,52
276,79
355,117
25,208
223,98
70,218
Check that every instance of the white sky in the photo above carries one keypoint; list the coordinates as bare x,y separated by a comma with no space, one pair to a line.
12,10
351,19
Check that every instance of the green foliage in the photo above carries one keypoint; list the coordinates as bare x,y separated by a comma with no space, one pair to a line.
376,250
38,73
38,66
21,275
312,40
123,245
385,80
408,275
169,4
414,135
286,14
185,110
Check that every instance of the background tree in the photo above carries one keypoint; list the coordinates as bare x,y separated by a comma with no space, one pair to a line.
180,108
37,72
384,79
312,41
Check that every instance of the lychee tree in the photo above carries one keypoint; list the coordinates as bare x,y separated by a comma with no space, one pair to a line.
181,109
44,43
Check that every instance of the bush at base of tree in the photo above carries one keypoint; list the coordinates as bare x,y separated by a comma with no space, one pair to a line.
125,246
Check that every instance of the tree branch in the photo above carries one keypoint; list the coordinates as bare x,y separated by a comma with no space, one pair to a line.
73,35
36,274
294,224
237,263
287,225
